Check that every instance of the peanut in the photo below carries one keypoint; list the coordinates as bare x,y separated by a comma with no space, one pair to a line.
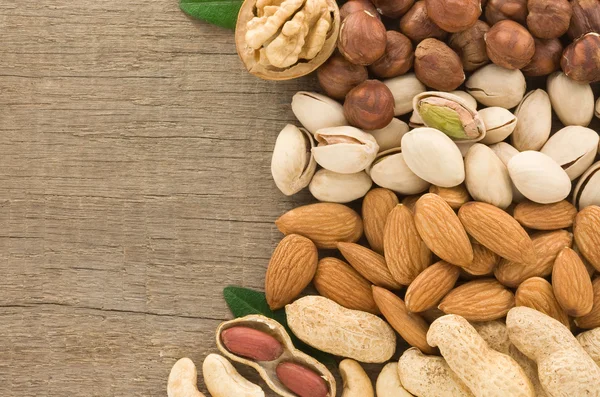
222,379
590,341
301,380
183,380
251,343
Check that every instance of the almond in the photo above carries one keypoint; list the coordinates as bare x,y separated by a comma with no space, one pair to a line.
545,216
455,196
441,230
547,245
587,234
592,319
428,289
325,224
572,284
537,294
411,201
369,264
336,280
484,261
479,300
498,231
291,268
411,327
405,253
376,207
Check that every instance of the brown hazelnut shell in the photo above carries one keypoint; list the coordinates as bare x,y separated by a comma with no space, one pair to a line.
546,59
499,10
398,58
509,45
362,38
453,15
470,46
581,60
417,25
585,19
251,59
437,66
369,105
353,6
338,76
548,19
393,8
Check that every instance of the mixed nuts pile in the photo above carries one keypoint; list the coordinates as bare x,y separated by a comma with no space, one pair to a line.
479,245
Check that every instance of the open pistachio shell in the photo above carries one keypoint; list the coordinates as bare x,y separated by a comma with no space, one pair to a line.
465,96
574,148
293,164
345,150
316,111
587,191
267,369
450,114
534,121
329,186
499,124
251,57
389,170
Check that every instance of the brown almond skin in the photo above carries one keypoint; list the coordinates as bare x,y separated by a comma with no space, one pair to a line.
338,76
325,224
537,294
470,46
301,380
572,284
251,343
369,264
479,300
546,59
592,319
441,230
585,19
411,326
417,25
291,268
398,58
369,105
454,15
484,261
376,207
362,38
338,281
498,231
455,196
547,246
586,230
510,45
428,289
499,10
411,201
405,252
548,19
438,66
581,60
545,216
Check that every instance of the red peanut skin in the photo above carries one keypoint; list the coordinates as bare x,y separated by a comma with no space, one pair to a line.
301,380
251,343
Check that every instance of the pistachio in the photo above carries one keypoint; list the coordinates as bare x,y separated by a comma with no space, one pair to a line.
487,178
465,96
415,120
539,177
293,164
534,121
598,108
574,148
505,152
499,124
339,188
449,114
345,150
587,191
464,147
316,111
434,157
389,170
493,85
572,101
404,88
390,136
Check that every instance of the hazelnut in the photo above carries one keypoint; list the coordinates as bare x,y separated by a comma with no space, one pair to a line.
470,46
398,58
369,105
509,45
417,25
437,66
393,8
548,19
499,10
585,19
362,38
357,5
546,59
454,15
338,76
581,60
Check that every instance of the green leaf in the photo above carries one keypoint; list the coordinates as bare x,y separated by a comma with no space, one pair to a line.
243,302
219,12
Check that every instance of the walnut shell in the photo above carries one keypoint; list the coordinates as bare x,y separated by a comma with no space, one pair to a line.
499,10
585,19
370,105
417,25
581,60
437,66
548,19
362,38
393,8
251,57
510,45
546,59
454,15
338,76
470,46
398,58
